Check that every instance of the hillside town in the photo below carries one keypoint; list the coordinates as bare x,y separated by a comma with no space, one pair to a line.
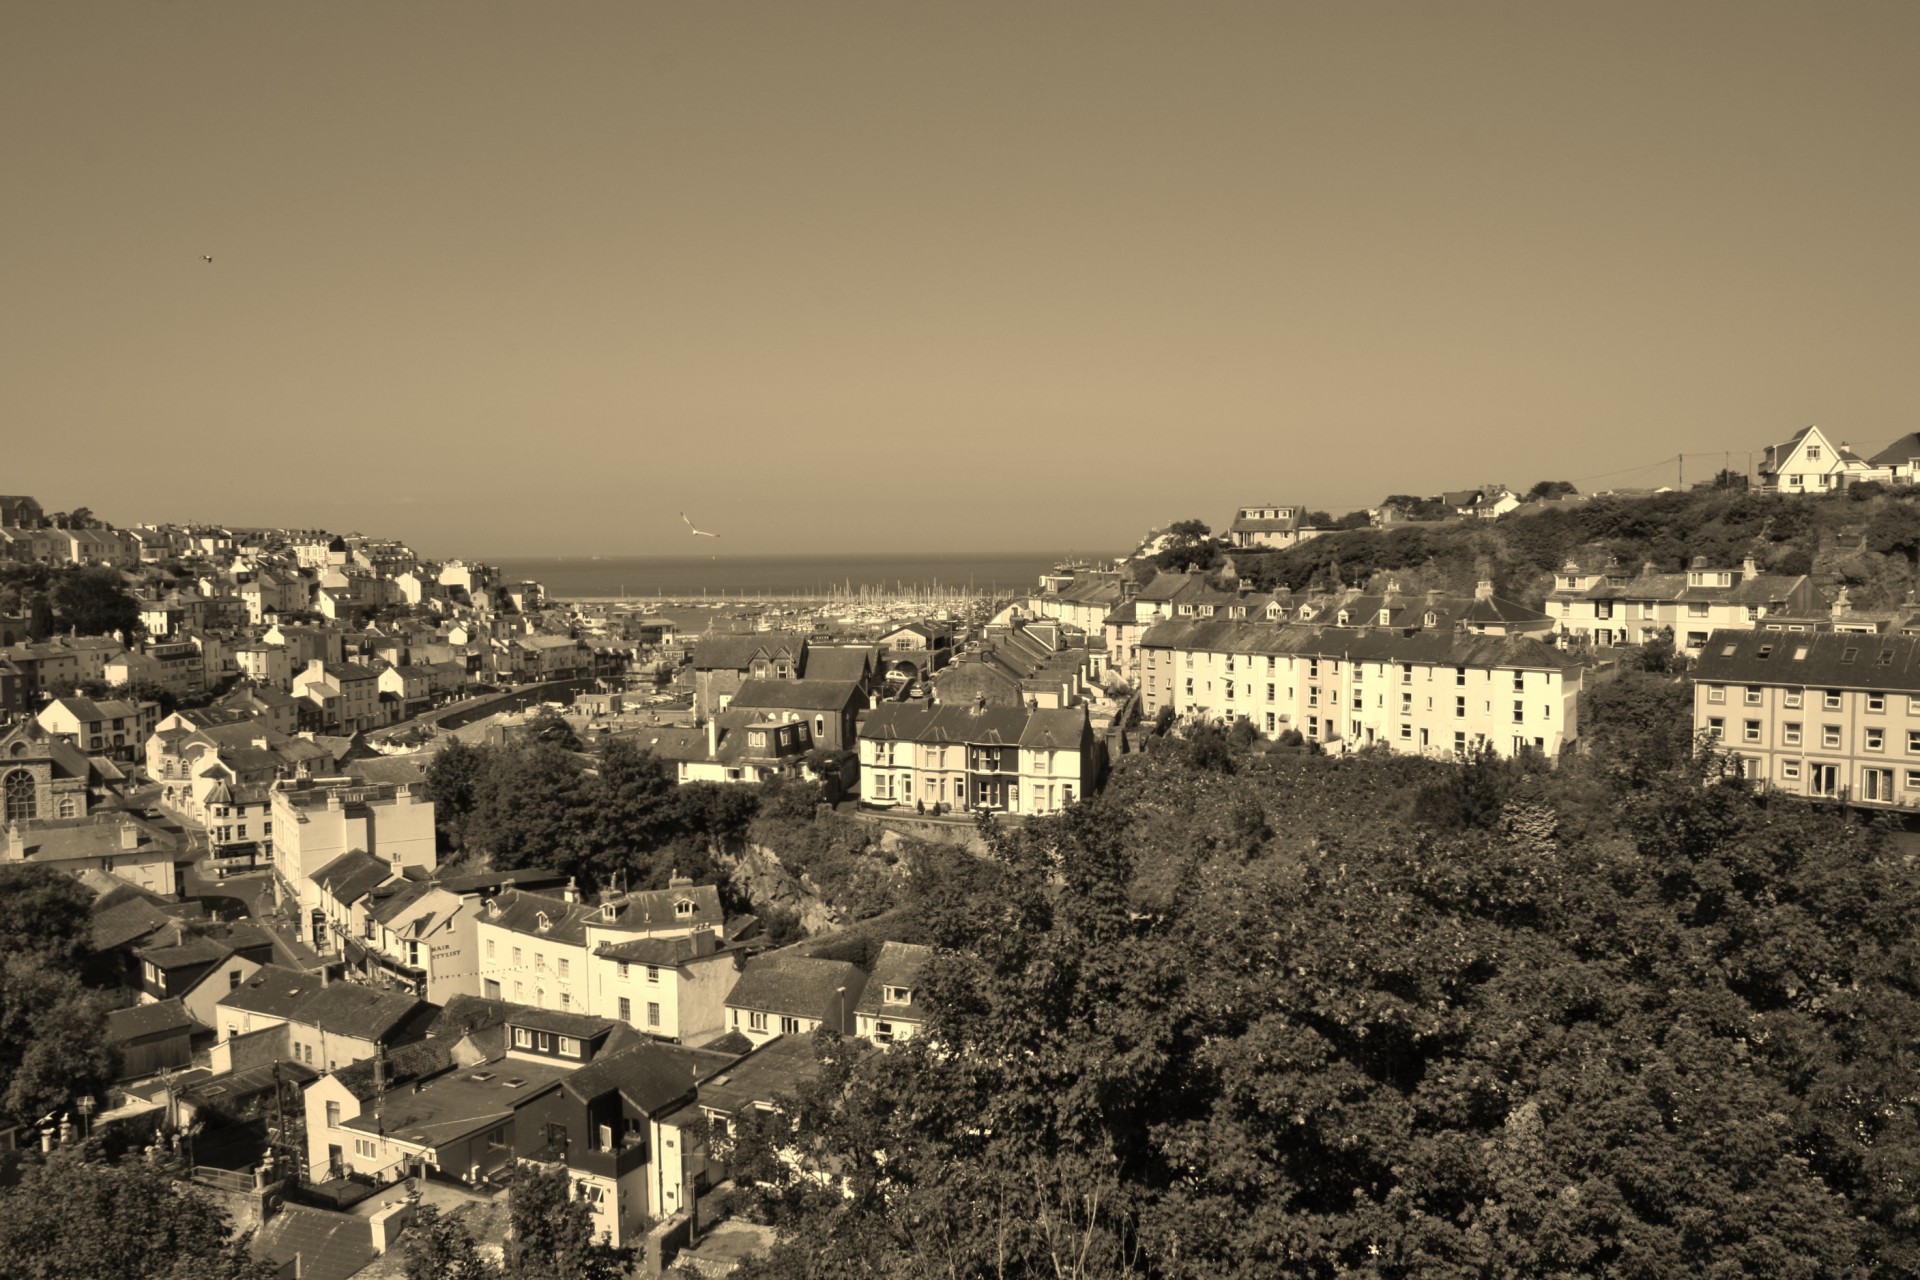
329,1015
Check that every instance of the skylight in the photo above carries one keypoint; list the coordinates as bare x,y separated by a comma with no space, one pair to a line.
1849,653
1800,653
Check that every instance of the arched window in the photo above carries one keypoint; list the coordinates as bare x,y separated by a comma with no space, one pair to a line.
67,809
22,798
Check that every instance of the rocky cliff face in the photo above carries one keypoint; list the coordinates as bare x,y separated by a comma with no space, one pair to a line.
758,873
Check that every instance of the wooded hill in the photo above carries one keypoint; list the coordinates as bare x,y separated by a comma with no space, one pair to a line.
1288,1015
1867,538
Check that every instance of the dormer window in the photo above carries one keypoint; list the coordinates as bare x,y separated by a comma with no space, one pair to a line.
542,922
1432,618
898,995
683,908
1386,616
609,912
1343,617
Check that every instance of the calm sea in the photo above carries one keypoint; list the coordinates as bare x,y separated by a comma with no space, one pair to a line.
583,577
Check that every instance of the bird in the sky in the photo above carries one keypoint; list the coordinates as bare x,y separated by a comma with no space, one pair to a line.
698,533
206,257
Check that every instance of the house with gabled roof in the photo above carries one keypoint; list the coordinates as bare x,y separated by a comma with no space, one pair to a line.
603,1123
535,949
1423,692
1808,462
890,1009
721,663
152,1038
830,708
131,847
790,995
110,727
743,745
1900,460
1003,759
329,1024
451,1103
1272,526
673,988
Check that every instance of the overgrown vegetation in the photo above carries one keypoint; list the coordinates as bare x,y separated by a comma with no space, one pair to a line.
1375,1015
1868,536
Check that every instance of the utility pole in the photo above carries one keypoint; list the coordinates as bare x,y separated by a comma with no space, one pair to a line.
1680,471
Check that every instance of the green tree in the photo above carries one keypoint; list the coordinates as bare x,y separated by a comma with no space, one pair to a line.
441,1247
455,778
71,1219
553,1233
53,1045
532,809
1550,489
1189,545
48,915
93,602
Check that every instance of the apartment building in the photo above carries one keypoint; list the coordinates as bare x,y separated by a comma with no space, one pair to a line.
1607,606
1830,715
1426,693
1002,759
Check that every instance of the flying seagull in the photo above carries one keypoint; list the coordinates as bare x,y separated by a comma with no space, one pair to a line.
206,257
698,533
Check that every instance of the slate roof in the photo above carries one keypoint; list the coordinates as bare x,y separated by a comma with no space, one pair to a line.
142,1020
839,662
667,953
659,908
1215,635
330,1246
351,1009
352,875
182,948
402,1066
390,770
793,985
797,695
652,1077
96,836
737,652
1062,728
463,1014
1833,660
897,965
520,911
273,990
1905,448
778,1067
124,922
581,1026
455,1104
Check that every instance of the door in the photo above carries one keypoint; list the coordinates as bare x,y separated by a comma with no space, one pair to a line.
1823,780
336,1160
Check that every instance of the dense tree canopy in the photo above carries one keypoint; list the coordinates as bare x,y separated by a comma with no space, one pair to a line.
1380,1016
69,1219
1522,549
52,1029
93,602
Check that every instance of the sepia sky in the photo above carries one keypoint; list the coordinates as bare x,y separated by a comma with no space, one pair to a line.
530,278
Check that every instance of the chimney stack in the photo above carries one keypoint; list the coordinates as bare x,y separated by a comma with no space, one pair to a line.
713,738
129,835
1483,590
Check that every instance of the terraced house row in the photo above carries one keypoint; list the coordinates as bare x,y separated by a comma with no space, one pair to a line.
1831,715
1423,692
